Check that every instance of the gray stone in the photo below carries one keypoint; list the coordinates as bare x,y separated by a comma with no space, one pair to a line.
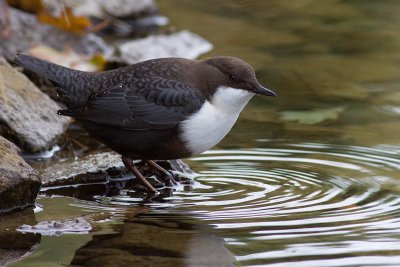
97,168
90,169
180,44
27,115
19,183
5,32
104,8
26,32
136,18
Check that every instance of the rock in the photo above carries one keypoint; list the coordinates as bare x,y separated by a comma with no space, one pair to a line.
27,115
104,8
180,44
26,31
15,245
5,31
98,168
93,168
136,18
19,183
131,27
55,228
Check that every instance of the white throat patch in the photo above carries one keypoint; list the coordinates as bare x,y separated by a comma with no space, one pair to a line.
209,125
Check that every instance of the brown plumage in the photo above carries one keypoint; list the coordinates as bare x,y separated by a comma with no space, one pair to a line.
137,110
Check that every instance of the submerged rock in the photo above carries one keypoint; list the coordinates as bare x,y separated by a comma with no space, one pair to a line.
27,115
19,183
98,168
180,44
55,228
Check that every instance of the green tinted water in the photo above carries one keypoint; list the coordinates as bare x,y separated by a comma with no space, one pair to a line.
310,178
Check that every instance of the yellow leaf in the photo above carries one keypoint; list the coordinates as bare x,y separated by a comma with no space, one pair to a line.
99,61
66,21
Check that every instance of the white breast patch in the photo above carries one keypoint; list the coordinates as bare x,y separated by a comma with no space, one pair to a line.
208,126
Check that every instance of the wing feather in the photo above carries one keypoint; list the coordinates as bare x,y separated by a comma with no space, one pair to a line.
148,104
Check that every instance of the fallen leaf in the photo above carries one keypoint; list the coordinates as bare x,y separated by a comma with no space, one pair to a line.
312,116
66,20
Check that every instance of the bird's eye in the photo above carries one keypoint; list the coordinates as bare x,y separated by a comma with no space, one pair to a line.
233,78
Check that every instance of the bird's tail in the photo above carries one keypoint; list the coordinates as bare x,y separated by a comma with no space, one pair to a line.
70,84
56,73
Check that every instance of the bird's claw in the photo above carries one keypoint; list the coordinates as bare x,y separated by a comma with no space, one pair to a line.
169,178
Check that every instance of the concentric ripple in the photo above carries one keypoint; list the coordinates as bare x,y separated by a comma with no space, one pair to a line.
310,204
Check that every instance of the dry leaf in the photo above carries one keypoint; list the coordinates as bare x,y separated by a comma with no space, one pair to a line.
66,21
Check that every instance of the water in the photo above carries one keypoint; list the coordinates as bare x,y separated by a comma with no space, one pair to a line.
310,178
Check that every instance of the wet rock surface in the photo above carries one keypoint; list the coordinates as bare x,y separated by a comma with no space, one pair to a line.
19,183
70,226
93,168
99,168
27,116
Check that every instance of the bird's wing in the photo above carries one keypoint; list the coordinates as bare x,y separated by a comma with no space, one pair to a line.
158,103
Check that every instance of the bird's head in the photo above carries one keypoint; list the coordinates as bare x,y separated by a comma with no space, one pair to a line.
236,73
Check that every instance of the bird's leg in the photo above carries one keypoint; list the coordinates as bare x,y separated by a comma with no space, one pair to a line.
167,176
132,168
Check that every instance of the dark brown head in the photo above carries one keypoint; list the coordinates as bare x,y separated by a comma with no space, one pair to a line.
236,73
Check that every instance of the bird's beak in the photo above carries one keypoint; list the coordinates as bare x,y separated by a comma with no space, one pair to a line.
264,91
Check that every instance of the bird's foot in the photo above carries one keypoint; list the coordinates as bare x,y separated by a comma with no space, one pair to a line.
167,176
132,168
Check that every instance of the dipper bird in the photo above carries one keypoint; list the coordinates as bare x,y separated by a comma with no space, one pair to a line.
159,109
